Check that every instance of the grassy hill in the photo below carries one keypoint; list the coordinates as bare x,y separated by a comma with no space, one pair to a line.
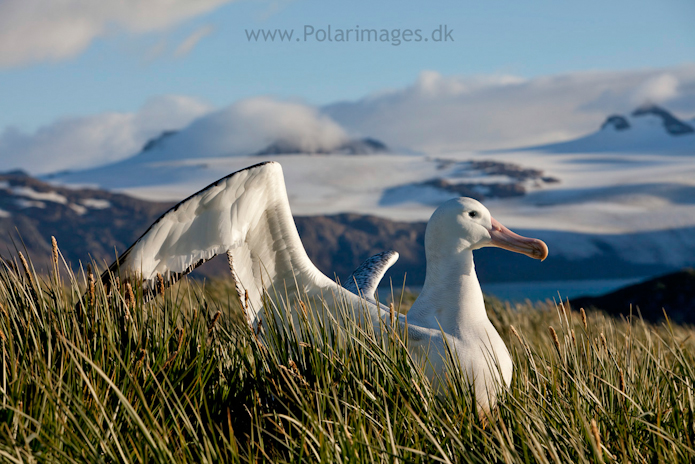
91,377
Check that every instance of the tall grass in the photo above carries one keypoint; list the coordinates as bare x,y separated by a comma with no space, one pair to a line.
88,376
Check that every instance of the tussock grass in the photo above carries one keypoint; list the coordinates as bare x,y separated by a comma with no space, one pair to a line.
91,377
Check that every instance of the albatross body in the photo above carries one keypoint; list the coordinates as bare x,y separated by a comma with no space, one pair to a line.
247,216
451,300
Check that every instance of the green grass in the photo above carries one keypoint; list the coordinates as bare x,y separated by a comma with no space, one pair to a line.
180,378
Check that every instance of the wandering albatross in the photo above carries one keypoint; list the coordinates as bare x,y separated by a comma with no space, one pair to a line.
247,216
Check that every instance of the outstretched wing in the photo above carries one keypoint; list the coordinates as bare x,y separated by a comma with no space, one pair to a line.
365,279
246,215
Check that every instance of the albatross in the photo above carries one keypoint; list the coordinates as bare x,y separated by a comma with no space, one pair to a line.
247,216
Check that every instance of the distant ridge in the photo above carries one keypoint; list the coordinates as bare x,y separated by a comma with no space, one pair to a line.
673,125
616,122
648,129
363,146
157,141
673,293
93,223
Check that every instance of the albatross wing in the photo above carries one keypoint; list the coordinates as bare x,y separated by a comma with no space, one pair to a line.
246,215
365,279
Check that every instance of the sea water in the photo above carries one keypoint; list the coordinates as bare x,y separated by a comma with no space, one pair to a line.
554,290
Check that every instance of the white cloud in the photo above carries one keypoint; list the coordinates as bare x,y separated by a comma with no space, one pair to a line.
434,114
192,40
82,142
244,127
38,30
167,112
250,125
658,89
440,113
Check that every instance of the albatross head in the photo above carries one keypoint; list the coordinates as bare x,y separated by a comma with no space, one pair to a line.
465,224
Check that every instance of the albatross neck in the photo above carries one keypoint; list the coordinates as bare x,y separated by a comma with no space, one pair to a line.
451,296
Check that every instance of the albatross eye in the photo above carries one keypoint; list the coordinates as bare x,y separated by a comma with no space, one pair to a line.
472,214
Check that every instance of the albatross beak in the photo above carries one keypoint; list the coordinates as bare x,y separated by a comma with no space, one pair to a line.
505,238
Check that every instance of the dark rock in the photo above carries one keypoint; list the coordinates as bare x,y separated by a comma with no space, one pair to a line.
550,180
617,122
511,170
14,173
351,147
154,142
673,125
480,190
374,145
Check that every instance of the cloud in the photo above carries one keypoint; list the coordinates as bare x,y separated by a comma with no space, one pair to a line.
167,112
155,51
33,31
242,128
439,113
82,142
435,114
192,40
250,125
658,89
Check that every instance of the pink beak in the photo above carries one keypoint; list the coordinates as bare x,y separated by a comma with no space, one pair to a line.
505,238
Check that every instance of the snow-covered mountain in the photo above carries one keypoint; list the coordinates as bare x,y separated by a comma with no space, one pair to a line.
624,194
648,129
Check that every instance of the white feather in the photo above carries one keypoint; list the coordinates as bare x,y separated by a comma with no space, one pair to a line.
246,213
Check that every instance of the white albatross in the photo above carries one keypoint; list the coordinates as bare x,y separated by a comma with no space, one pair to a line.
247,216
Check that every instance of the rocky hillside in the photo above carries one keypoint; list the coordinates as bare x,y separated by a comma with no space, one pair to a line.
91,223
86,222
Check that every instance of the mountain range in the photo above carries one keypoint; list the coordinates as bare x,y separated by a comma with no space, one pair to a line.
605,214
96,224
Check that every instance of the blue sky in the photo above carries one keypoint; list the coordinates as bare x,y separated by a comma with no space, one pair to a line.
122,66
